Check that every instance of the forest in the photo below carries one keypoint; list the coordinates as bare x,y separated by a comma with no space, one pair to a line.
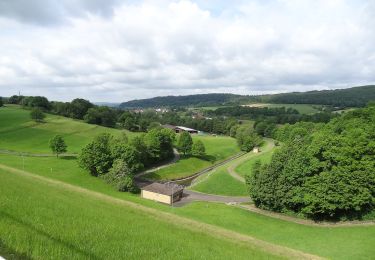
322,171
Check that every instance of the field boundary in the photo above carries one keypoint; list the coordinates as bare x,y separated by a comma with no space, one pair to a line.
193,225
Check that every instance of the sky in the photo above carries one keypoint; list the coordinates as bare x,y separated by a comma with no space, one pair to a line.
114,51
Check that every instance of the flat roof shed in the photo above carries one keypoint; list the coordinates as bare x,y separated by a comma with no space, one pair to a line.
162,192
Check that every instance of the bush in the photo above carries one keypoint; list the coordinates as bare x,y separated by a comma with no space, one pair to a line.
37,115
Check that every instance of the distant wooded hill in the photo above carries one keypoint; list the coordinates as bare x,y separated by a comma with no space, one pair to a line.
350,97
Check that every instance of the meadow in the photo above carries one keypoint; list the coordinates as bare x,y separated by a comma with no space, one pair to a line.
218,148
219,182
246,167
19,133
301,108
40,220
61,224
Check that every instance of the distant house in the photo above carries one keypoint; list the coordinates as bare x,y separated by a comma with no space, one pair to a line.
180,129
162,192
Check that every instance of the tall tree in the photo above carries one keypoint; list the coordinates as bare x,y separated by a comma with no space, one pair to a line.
185,143
58,145
198,149
37,115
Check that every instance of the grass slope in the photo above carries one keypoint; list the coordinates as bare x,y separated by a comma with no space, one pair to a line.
221,183
335,243
19,133
301,108
57,224
246,167
217,149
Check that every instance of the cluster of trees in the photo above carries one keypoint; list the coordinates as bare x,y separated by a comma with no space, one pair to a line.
323,171
188,147
184,101
341,98
277,115
1,102
117,160
246,138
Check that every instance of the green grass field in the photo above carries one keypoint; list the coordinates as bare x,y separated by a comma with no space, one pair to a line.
217,149
44,221
246,167
221,183
19,133
301,108
58,224
335,243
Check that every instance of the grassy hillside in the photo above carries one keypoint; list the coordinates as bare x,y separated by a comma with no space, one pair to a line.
246,167
58,224
19,133
301,108
217,149
335,243
221,183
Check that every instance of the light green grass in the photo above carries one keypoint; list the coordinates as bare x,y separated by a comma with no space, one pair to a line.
301,108
217,149
221,183
43,222
19,133
246,167
334,243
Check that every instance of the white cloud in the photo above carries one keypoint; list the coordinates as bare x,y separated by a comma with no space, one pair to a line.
127,50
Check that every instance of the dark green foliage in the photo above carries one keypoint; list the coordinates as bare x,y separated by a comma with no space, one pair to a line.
79,107
37,115
185,143
96,157
181,101
323,172
15,99
121,177
265,128
247,139
37,102
58,145
198,149
101,116
351,97
159,143
1,102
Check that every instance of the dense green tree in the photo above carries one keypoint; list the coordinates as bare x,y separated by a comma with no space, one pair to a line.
15,99
101,116
247,139
185,143
121,177
198,149
58,145
37,115
96,157
323,171
1,102
79,107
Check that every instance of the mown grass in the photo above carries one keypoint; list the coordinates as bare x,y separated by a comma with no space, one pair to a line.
218,148
19,133
335,243
301,108
219,182
45,222
354,242
246,167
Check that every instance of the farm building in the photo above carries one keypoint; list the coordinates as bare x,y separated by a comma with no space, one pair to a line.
162,192
180,129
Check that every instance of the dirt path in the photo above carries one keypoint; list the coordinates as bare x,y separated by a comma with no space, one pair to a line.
231,169
26,154
306,222
195,226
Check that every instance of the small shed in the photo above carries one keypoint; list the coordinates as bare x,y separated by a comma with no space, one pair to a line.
256,150
162,192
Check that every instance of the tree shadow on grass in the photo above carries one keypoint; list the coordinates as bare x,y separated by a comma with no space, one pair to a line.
35,230
68,157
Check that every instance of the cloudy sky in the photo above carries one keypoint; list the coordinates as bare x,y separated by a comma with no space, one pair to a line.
112,50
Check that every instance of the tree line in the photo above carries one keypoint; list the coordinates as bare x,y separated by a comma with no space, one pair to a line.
322,171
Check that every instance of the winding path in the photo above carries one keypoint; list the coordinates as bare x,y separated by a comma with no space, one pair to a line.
270,144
